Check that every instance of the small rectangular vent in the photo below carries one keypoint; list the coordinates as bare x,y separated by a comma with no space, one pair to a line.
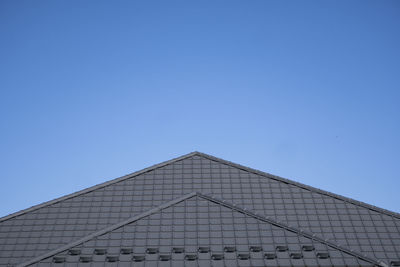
126,251
58,259
282,248
191,257
204,249
323,255
243,256
270,256
296,255
165,257
85,259
178,250
112,258
217,257
100,251
256,249
138,258
152,250
229,249
308,248
74,252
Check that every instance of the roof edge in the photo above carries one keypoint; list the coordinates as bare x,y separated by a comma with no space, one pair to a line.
295,230
213,158
101,185
109,229
307,187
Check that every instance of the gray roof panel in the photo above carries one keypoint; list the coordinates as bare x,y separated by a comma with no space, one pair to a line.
352,224
176,232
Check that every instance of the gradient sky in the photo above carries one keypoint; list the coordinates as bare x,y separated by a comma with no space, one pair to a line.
93,90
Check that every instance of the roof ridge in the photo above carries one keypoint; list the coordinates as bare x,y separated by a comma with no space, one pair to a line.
307,187
94,187
213,158
290,228
109,229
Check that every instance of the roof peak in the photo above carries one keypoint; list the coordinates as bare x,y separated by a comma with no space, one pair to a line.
213,158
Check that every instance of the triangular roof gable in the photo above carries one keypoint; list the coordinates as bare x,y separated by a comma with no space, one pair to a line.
222,161
356,225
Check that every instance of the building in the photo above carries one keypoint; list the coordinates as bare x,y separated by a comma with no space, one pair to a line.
198,210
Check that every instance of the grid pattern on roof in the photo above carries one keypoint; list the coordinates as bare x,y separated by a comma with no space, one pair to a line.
176,236
42,230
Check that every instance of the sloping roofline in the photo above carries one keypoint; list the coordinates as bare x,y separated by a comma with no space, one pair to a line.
107,229
222,161
303,186
98,186
305,233
224,203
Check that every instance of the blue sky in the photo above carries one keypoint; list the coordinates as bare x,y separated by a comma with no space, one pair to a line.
93,90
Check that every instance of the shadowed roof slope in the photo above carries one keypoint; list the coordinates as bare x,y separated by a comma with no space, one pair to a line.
357,230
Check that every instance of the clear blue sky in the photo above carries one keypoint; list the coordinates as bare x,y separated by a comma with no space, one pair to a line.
93,90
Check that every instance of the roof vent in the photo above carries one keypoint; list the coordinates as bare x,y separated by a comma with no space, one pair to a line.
244,256
204,249
178,250
256,249
112,258
165,257
74,252
323,255
229,249
138,258
58,259
85,259
281,248
395,263
100,251
296,255
152,250
217,257
191,257
126,251
308,248
270,256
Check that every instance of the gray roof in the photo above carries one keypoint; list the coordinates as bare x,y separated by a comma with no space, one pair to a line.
198,210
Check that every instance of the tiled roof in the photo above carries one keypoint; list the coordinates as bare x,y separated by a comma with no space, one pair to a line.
253,213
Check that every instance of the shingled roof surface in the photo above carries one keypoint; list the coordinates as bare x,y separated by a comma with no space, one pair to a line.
198,210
